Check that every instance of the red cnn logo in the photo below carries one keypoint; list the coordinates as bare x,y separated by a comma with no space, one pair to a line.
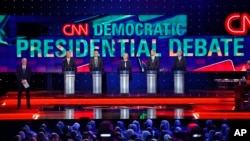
244,20
76,29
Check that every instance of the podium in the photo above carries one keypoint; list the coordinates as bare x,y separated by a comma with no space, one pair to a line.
124,112
179,82
151,113
97,81
151,81
124,81
69,113
69,81
97,111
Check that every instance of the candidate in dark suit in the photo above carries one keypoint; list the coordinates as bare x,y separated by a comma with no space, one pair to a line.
69,63
96,62
125,64
179,62
23,77
153,61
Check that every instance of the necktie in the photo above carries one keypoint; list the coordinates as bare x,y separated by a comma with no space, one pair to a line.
23,70
125,64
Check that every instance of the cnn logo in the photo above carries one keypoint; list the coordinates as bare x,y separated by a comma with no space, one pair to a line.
243,19
75,29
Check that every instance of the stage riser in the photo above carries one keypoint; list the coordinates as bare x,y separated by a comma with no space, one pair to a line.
55,81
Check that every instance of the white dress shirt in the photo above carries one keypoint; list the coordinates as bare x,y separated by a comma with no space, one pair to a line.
68,59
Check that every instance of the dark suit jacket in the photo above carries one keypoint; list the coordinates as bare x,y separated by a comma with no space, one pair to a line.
128,65
179,65
23,75
71,64
92,63
155,64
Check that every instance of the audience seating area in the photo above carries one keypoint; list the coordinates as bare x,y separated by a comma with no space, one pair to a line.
124,130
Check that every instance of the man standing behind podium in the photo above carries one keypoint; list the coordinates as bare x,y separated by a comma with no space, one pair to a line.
96,62
179,62
153,61
69,63
23,78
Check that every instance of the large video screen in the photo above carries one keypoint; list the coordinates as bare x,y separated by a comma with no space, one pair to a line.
44,40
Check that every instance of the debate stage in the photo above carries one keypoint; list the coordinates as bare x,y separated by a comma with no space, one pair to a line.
199,104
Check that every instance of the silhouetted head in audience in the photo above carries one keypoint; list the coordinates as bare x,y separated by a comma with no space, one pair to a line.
59,127
225,134
209,122
211,134
150,130
27,127
177,123
150,122
22,135
75,126
217,136
166,124
117,134
73,133
137,125
44,126
210,125
120,124
145,135
117,129
133,127
147,124
167,137
17,138
32,139
41,129
129,133
163,133
41,137
163,127
133,137
78,138
54,137
85,135
92,123
60,124
26,131
178,129
89,127
223,129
